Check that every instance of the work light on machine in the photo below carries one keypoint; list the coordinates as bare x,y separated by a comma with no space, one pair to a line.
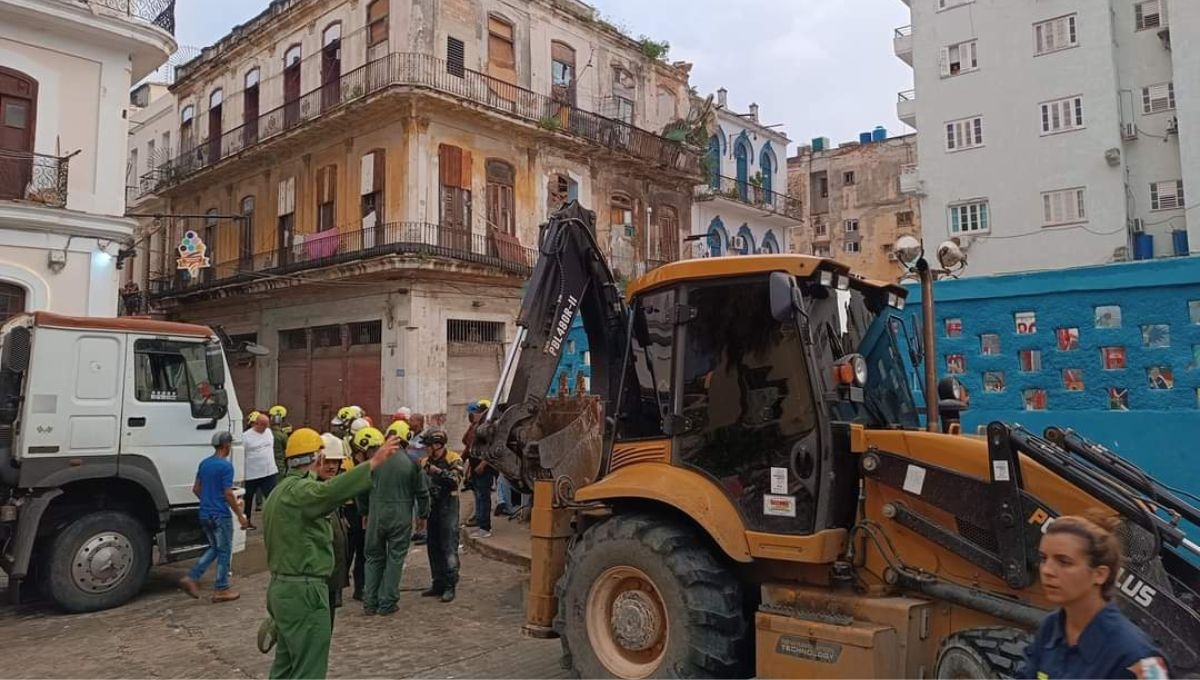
851,371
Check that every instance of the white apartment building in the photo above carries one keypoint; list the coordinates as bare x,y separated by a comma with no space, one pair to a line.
65,71
1051,131
744,207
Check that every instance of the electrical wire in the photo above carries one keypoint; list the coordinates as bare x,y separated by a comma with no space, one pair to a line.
985,237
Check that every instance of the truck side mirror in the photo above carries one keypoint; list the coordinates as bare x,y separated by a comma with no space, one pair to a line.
214,363
785,296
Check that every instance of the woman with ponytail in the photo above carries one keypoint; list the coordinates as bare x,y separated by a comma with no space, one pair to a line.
1088,636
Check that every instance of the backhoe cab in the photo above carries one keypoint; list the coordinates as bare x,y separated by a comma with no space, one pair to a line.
748,488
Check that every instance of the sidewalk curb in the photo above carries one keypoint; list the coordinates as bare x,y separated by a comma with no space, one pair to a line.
493,551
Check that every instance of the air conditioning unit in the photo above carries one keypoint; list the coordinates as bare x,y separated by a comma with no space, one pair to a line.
891,256
1138,225
738,243
1173,127
1129,131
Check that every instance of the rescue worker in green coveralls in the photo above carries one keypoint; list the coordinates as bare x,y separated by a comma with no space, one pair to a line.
280,429
388,509
445,469
299,543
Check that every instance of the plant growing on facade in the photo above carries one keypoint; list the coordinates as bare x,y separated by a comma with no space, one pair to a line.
549,123
654,49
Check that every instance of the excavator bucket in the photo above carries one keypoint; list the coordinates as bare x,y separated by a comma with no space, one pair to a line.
571,447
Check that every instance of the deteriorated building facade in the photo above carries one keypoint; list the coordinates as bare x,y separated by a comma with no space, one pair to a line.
853,204
368,179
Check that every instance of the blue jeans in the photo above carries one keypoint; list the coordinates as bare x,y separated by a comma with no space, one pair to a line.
483,498
504,493
220,548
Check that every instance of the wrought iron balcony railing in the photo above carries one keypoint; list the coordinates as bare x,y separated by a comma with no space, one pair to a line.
33,177
428,72
160,13
335,246
749,193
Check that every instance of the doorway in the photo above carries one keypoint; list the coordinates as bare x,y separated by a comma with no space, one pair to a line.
18,118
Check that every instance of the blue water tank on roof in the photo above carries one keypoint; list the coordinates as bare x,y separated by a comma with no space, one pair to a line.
880,134
1143,247
864,138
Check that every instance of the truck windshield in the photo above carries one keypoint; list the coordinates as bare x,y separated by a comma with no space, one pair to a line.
846,322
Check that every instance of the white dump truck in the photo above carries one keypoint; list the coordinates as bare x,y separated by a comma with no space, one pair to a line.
102,425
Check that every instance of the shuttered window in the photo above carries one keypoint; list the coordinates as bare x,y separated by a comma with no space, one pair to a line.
664,242
1062,114
1063,207
326,197
1158,98
964,134
960,58
1148,14
966,218
1056,34
501,210
1166,195
372,174
454,172
502,56
562,72
456,57
377,22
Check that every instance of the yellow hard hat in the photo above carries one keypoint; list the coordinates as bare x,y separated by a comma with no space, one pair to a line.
251,417
277,411
367,438
348,414
303,442
400,430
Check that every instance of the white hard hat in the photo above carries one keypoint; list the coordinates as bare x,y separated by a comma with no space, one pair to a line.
334,449
358,424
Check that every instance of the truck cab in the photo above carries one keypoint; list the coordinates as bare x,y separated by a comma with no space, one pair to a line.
103,423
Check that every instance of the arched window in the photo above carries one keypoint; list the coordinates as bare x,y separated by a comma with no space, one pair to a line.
246,233
189,112
741,156
770,243
560,190
250,107
331,34
292,56
501,206
716,237
744,241
713,164
252,77
216,98
767,168
187,132
12,301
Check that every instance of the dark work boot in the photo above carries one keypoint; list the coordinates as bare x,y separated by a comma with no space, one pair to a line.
434,591
448,594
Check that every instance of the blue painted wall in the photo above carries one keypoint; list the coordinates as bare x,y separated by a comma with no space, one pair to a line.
1159,326
575,359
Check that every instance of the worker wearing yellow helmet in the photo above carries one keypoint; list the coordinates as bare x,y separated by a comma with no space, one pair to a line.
300,556
252,417
388,507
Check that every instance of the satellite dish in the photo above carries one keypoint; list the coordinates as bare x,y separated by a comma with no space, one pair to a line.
255,349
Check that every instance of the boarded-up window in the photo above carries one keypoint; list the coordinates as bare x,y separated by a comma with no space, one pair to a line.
622,213
372,172
326,197
502,59
664,240
454,172
501,210
377,29
562,73
456,57
623,95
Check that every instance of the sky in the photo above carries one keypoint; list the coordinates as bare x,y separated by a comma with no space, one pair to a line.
822,68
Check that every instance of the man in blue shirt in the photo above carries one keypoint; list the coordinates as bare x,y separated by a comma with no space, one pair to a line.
214,488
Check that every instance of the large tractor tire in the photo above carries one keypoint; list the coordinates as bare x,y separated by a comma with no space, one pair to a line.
644,597
982,653
99,561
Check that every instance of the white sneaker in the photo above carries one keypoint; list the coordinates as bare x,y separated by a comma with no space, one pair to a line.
480,533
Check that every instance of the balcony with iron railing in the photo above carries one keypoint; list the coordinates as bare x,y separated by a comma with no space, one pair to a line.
158,13
425,72
336,247
33,177
746,192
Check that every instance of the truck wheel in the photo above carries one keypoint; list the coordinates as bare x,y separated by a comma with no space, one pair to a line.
99,561
643,597
982,653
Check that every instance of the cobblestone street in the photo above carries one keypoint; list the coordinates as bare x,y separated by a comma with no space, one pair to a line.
164,634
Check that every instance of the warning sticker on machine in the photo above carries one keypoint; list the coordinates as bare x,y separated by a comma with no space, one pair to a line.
914,479
779,506
779,483
1000,470
808,649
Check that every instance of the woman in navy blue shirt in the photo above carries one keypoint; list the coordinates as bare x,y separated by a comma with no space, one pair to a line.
1088,637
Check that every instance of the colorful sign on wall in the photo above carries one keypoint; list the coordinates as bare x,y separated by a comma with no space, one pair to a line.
192,254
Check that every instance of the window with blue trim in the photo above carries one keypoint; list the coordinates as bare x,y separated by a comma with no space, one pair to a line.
716,237
714,162
741,155
768,170
770,243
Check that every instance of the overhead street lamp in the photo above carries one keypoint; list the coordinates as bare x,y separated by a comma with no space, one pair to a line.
910,253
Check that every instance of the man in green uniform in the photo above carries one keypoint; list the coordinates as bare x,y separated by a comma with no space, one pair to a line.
445,470
299,543
280,430
388,508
